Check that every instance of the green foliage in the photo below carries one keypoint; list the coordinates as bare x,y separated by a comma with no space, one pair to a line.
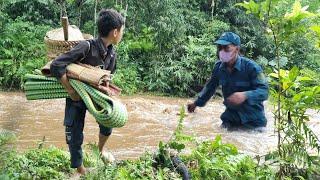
37,11
127,76
167,46
293,92
290,29
222,161
144,169
6,137
184,74
128,80
254,42
21,52
179,140
298,94
316,30
51,163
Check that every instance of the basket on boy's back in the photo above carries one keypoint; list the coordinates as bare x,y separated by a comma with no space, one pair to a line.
56,45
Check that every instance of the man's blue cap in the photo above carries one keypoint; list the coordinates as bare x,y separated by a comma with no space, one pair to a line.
228,38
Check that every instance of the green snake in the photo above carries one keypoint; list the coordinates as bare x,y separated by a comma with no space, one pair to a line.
107,111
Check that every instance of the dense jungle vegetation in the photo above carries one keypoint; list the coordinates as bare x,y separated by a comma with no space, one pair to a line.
167,46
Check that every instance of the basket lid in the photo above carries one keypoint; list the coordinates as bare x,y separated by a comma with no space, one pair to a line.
74,34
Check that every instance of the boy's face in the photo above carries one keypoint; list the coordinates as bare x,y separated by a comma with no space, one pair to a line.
117,34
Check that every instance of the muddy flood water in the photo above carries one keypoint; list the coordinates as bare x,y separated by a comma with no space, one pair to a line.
151,119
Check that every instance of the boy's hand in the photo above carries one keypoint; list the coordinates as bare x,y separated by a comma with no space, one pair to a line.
74,95
191,107
106,89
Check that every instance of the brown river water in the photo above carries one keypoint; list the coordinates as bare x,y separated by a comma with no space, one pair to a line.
151,119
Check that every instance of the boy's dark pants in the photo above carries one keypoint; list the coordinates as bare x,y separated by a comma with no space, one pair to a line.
75,113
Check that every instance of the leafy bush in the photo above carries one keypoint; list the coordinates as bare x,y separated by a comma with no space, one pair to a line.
223,161
6,137
294,91
127,75
167,46
36,11
188,73
21,52
51,163
127,79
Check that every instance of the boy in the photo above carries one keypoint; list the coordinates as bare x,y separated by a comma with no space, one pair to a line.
96,52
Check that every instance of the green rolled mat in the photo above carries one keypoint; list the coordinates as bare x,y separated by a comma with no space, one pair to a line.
47,91
42,85
107,111
47,96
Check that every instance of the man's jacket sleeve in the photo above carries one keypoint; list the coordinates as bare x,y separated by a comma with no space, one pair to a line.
59,65
209,89
259,83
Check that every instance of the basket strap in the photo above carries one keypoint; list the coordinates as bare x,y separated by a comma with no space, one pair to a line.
87,52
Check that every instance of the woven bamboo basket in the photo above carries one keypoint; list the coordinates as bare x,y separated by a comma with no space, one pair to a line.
57,47
61,40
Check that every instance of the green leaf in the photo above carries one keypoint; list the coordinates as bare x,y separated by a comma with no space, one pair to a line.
298,13
316,29
296,97
293,73
177,146
251,7
304,78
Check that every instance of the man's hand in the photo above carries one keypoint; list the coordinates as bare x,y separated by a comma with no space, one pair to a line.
237,98
191,107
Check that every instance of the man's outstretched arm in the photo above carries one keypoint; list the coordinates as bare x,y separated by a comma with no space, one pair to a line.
207,92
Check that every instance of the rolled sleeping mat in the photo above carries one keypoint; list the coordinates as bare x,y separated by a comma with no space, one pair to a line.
88,74
107,111
94,76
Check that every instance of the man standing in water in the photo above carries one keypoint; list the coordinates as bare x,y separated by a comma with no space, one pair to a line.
97,52
243,85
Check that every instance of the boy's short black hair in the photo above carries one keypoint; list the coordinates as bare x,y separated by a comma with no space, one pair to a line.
109,19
